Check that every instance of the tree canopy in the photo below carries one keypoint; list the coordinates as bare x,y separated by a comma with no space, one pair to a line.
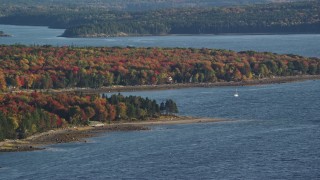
23,114
47,67
135,5
96,21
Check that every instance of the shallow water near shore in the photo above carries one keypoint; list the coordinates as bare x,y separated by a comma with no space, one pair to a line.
274,134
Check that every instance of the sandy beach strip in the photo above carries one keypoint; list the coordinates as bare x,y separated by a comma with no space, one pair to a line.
81,134
172,121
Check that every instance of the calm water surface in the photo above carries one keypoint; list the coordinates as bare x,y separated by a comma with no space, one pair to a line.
303,44
272,132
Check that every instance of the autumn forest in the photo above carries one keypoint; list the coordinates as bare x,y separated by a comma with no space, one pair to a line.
24,114
47,67
36,68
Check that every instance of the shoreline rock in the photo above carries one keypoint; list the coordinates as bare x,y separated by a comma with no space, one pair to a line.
275,80
119,88
5,35
2,34
81,134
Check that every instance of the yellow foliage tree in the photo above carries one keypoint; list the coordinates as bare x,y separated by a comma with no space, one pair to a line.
3,84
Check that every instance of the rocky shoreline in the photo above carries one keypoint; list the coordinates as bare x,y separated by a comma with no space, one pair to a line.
273,80
72,134
81,134
119,88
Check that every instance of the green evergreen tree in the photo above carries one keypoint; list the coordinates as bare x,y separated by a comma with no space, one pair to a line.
162,107
171,107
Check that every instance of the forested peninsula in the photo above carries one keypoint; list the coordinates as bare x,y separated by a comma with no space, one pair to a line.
48,67
94,21
24,114
41,68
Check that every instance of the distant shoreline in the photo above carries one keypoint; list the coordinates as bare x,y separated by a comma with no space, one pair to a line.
168,35
146,35
81,134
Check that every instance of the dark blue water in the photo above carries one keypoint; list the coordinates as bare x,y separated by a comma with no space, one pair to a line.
301,44
273,132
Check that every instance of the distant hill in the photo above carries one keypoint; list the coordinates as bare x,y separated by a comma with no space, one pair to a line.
97,21
298,17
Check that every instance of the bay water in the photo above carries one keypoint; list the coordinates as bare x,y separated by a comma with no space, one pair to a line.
270,131
300,44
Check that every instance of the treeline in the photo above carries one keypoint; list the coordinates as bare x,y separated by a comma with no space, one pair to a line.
23,114
93,21
133,5
47,67
302,17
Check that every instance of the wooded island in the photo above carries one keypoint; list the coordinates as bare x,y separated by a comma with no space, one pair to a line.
100,21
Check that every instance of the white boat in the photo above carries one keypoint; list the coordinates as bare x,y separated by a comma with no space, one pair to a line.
236,93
